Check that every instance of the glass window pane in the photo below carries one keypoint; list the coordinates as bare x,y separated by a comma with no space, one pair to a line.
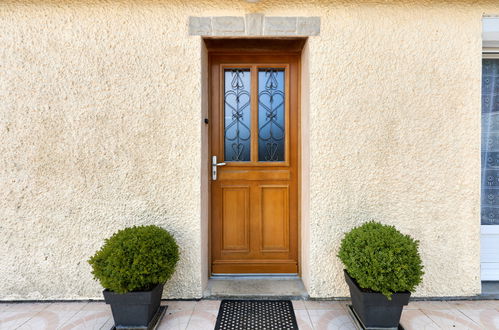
490,143
237,112
271,113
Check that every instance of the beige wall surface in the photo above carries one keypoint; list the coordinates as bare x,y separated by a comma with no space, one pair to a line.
101,128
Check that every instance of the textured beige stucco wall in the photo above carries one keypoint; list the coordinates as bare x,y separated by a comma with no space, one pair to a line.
394,131
100,128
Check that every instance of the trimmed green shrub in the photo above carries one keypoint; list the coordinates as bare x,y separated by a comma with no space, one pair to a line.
135,259
381,259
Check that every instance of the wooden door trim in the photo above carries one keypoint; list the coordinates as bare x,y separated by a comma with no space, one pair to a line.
296,55
264,45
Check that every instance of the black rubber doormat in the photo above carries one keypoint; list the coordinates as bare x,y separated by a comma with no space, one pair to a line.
256,314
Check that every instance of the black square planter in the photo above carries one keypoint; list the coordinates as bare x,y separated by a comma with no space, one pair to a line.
134,309
374,309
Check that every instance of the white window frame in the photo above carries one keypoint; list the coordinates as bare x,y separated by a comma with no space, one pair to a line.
489,234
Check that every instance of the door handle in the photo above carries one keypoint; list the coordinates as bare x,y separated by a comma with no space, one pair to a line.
214,166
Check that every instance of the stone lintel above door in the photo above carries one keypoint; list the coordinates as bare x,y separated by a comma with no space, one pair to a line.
254,25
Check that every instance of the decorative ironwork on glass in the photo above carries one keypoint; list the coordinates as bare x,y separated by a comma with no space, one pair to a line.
271,113
490,143
237,112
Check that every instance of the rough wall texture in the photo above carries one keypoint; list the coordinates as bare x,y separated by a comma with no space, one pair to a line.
395,122
100,128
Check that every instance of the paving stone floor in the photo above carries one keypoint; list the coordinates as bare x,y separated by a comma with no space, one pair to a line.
483,314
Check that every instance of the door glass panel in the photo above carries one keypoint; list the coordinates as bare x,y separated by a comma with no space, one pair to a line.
237,113
271,113
490,142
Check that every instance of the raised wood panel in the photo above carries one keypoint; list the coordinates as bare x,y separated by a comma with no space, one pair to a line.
274,217
235,219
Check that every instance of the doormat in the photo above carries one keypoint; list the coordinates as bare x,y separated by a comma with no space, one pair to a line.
359,325
256,314
153,325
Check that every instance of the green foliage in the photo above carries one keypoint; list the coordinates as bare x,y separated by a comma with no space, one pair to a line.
135,259
381,259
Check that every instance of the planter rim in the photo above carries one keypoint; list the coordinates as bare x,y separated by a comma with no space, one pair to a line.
372,292
144,291
134,297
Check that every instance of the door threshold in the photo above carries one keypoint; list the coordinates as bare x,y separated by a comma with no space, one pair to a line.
257,286
256,276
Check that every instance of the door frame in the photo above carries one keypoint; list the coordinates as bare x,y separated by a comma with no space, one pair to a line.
252,46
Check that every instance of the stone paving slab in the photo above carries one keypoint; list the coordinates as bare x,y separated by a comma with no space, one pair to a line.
202,314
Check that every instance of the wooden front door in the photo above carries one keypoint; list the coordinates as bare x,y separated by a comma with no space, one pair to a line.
254,137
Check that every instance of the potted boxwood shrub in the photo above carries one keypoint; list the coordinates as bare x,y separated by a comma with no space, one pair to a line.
132,266
382,267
